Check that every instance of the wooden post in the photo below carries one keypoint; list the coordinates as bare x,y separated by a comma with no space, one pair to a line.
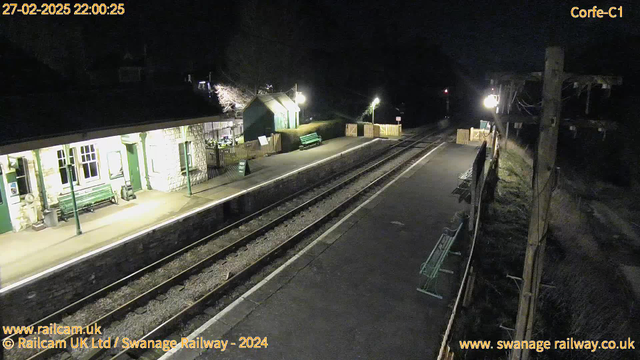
542,188
506,138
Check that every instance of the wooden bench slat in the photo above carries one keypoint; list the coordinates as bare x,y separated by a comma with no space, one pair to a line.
432,266
85,198
310,139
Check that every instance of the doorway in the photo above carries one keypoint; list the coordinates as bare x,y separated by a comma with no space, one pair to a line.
134,167
5,218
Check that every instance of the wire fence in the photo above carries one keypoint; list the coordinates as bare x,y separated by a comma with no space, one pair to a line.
445,352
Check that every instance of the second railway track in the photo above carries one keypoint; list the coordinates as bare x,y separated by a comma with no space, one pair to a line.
153,301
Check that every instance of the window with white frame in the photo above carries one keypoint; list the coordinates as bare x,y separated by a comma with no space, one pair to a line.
89,160
62,166
22,176
182,162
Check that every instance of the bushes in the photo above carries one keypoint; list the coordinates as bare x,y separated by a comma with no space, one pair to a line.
328,129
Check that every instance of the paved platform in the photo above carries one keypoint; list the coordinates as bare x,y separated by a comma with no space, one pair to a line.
352,293
28,252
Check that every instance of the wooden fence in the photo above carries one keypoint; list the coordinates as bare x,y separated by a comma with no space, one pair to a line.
249,150
480,135
371,131
478,207
462,136
390,130
351,130
379,130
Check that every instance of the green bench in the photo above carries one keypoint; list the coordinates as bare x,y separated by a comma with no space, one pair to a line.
86,199
310,140
431,268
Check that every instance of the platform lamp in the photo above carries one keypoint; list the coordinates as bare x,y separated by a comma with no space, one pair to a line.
300,99
183,130
375,102
70,169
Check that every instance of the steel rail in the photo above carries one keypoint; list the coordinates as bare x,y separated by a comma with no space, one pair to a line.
253,268
59,314
167,284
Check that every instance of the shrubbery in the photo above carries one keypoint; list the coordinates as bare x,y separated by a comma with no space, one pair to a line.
328,129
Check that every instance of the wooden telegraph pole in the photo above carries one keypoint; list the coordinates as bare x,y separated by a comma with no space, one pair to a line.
543,179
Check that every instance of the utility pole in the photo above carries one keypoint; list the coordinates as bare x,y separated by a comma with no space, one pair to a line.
544,172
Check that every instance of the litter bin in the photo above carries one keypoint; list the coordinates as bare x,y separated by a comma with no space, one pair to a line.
50,217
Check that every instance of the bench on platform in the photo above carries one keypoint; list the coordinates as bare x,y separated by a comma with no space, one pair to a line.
463,190
86,199
433,266
310,140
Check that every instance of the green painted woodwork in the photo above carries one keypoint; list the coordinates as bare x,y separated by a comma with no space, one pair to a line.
85,198
309,140
134,167
5,218
431,268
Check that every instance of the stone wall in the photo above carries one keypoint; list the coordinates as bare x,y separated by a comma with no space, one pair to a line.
164,158
33,300
162,147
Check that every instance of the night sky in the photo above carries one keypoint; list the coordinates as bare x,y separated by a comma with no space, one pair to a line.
341,52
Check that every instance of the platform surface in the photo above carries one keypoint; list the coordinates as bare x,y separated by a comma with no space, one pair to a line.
29,252
352,293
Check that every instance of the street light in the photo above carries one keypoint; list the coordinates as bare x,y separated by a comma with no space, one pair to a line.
300,99
491,101
375,102
446,93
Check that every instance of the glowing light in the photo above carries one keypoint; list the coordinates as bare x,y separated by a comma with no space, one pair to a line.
446,91
300,99
491,101
375,102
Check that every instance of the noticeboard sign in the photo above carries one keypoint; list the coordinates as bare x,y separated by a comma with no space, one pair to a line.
398,118
243,167
263,140
13,189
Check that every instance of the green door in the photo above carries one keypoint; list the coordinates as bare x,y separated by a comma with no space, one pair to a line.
134,168
5,219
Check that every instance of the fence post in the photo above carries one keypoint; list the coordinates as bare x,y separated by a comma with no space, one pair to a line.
217,150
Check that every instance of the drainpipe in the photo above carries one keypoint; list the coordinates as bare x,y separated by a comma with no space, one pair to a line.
43,191
143,137
186,164
73,194
184,130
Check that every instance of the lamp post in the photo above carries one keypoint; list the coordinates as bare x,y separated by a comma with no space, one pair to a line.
446,94
73,193
186,157
300,99
491,101
375,102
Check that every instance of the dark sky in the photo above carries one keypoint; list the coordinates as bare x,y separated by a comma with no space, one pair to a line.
481,34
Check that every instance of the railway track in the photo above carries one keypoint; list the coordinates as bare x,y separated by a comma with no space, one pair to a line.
227,251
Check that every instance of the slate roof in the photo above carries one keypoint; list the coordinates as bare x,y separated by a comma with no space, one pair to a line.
47,115
276,102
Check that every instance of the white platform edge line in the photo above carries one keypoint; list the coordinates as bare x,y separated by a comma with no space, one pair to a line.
172,220
230,307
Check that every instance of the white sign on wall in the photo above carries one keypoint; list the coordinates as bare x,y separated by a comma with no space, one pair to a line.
263,140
